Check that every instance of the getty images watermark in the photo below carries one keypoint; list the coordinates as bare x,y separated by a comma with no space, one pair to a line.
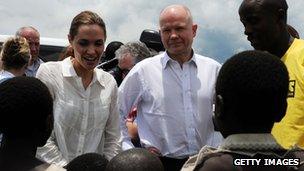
267,162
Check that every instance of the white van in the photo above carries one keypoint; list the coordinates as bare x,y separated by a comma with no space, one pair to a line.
50,48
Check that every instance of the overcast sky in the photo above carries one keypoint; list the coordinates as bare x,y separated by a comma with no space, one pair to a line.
220,33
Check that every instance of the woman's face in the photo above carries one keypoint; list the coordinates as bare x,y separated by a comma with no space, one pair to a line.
88,46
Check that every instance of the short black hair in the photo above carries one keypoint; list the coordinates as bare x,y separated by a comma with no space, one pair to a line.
136,159
88,162
254,88
111,49
26,105
272,6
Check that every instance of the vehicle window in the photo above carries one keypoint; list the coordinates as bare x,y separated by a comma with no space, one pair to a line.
50,53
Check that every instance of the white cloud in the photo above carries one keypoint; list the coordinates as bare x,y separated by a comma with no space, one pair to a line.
220,32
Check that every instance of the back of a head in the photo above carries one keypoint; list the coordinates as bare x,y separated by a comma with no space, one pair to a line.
88,162
108,60
26,109
15,53
152,40
253,86
135,160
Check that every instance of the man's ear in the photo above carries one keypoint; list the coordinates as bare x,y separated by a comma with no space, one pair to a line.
218,112
194,29
219,105
159,31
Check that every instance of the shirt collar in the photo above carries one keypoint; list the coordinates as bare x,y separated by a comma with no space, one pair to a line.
69,71
67,68
251,142
165,59
7,74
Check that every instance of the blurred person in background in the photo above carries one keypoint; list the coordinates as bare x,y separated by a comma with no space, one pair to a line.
15,56
128,55
33,38
108,60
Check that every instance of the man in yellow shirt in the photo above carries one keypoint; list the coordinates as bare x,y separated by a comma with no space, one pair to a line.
265,23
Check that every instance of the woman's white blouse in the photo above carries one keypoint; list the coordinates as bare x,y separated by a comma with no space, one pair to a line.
85,120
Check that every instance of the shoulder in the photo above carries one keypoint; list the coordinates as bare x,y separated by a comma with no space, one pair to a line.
51,64
152,61
297,46
300,41
206,60
49,68
218,161
48,167
146,66
105,77
210,158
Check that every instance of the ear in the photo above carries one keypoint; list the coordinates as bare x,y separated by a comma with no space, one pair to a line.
219,105
70,39
159,31
194,29
218,112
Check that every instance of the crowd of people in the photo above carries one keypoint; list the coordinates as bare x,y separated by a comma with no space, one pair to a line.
154,104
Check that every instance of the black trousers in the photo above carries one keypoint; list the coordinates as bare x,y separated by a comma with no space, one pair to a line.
171,164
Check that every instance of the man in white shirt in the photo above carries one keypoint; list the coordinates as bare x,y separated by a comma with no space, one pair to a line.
33,38
173,93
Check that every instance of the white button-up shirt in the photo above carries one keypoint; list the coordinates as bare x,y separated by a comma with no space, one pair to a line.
174,104
5,75
85,120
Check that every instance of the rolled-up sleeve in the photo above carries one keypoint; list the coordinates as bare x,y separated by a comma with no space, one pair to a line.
128,96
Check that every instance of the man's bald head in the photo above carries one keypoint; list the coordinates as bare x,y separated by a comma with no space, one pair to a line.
177,32
176,9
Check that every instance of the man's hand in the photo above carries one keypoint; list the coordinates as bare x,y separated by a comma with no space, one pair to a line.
154,150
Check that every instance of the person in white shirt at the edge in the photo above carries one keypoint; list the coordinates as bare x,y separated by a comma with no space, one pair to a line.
173,92
86,115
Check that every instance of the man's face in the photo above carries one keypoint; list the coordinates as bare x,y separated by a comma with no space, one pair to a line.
177,32
261,25
126,63
33,38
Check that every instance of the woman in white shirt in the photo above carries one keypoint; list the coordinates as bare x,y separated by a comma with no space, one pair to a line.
85,98
15,56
